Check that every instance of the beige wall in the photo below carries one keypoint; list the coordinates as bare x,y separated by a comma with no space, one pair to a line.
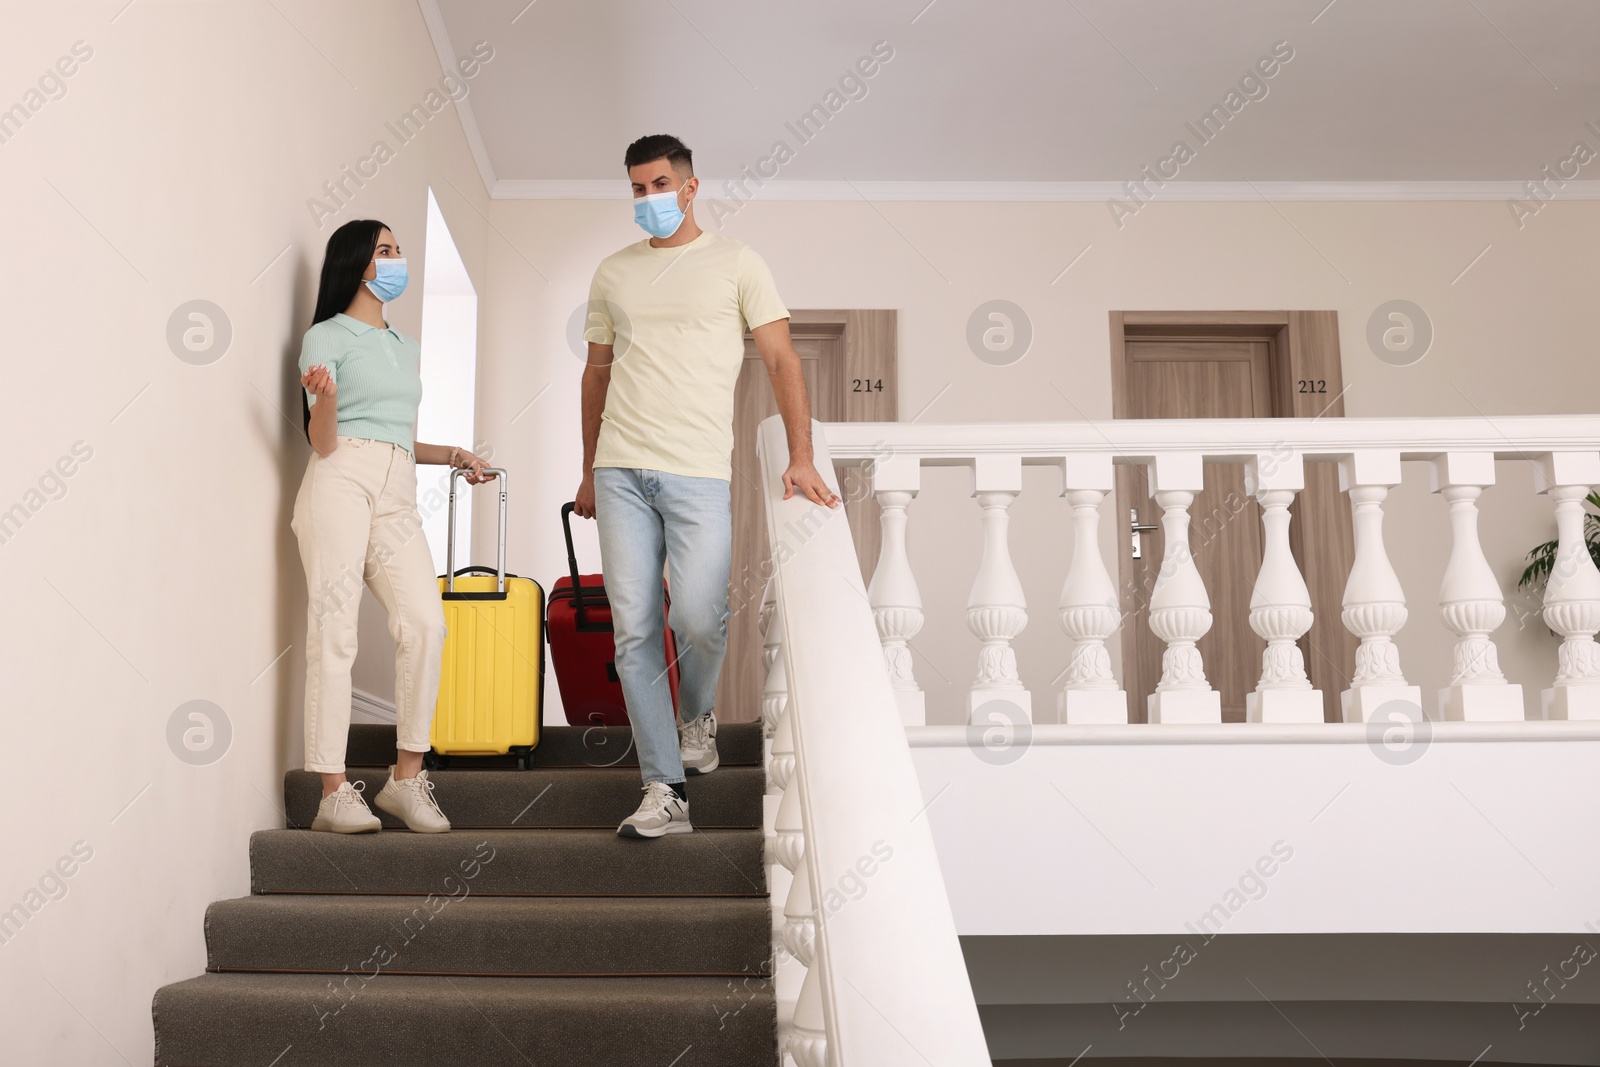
176,166
1512,336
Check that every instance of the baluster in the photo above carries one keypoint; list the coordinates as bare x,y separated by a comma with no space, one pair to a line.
769,646
1180,610
1470,599
996,608
896,603
1280,605
780,767
788,842
808,1038
1374,602
1088,609
799,917
1572,593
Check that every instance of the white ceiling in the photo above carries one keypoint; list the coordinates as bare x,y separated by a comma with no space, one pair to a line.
993,94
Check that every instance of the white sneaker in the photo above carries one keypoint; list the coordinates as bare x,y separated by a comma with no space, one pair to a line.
661,813
411,801
345,811
697,744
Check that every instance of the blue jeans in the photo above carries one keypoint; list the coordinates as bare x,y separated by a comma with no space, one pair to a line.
647,518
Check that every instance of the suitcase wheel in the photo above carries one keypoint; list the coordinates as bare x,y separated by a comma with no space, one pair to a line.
432,761
524,755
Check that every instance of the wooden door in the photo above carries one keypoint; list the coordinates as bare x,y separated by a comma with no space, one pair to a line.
1227,364
1197,378
849,362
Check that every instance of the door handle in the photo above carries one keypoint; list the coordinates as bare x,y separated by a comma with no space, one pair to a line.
1136,528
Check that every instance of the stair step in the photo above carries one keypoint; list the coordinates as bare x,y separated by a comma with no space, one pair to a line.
573,797
491,935
738,744
509,862
248,1020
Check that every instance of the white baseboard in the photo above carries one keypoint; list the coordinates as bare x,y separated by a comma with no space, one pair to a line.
364,707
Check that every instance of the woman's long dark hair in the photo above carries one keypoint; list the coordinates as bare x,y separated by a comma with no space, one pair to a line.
350,249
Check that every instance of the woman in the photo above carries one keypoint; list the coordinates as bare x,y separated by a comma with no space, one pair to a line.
356,518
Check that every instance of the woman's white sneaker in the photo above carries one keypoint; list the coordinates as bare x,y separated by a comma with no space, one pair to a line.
411,801
662,812
345,811
697,744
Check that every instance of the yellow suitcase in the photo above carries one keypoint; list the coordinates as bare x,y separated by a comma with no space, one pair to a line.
491,691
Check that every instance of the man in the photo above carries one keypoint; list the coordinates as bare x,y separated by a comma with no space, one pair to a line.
666,324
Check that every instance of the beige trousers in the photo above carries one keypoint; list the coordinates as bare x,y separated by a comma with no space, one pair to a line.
357,521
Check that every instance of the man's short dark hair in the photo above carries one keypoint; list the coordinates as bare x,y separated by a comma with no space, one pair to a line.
661,146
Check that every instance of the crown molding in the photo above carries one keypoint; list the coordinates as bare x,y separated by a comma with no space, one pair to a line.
1185,191
433,18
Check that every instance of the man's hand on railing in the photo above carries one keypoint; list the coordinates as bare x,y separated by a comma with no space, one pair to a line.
802,475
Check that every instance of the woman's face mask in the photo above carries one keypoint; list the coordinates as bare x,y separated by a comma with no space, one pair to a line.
658,213
391,279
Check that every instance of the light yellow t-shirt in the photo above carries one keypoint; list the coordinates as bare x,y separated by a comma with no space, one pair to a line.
675,318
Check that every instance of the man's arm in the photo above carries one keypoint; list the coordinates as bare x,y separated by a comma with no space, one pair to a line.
596,381
789,387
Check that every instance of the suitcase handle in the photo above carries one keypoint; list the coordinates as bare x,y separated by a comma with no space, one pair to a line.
450,540
479,570
572,563
577,586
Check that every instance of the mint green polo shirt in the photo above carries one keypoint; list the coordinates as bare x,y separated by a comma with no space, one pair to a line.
379,375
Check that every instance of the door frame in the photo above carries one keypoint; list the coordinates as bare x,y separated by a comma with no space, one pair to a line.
1303,348
867,341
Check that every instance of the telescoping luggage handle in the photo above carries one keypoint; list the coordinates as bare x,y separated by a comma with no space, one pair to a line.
450,540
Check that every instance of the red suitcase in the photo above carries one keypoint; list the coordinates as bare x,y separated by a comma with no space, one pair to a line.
578,626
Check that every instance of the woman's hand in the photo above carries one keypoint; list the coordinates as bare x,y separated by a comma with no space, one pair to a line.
318,381
461,459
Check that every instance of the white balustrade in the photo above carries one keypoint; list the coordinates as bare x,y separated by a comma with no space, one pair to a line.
885,963
1374,603
1180,609
1470,600
1088,609
1572,593
784,837
836,707
1461,453
996,608
1280,605
896,603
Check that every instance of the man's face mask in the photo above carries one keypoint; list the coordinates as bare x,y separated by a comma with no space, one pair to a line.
658,213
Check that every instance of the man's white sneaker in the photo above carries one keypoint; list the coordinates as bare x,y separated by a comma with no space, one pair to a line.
345,811
661,813
411,801
697,744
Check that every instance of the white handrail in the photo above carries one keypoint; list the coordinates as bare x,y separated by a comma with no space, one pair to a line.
1138,440
894,985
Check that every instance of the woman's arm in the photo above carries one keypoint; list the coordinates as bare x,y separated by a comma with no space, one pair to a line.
324,428
451,456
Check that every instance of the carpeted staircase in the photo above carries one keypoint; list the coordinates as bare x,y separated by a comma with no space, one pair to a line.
532,934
